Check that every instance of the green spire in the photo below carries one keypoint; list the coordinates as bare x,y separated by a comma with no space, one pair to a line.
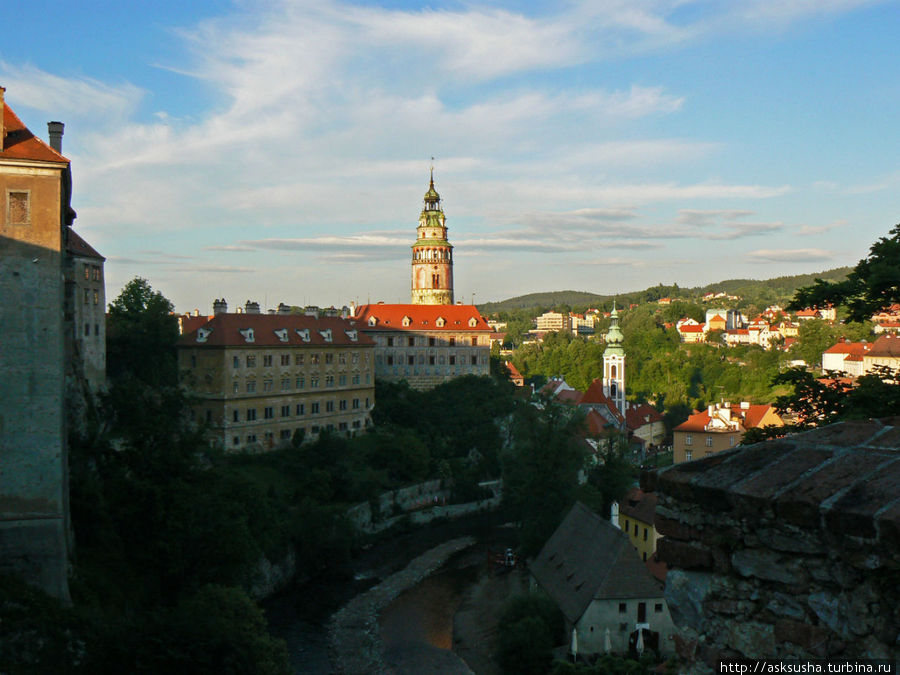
614,337
432,198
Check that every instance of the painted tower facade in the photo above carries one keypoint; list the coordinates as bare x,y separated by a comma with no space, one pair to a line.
614,363
432,255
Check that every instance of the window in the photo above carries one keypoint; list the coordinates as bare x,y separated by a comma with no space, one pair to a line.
329,358
285,383
285,434
251,361
626,525
474,360
298,359
96,297
354,357
355,403
329,406
314,358
251,414
431,360
342,357
209,416
235,416
688,455
301,409
410,342
342,405
644,554
314,381
268,412
236,440
300,383
431,342
410,360
688,439
452,341
731,441
267,360
314,428
329,380
267,385
342,426
193,356
285,359
251,438
314,408
452,360
235,386
342,380
390,342
356,424
645,534
251,386
389,359
355,378
623,607
87,296
18,207
709,441
95,273
657,608
285,411
96,329
87,331
235,361
87,272
474,341
635,529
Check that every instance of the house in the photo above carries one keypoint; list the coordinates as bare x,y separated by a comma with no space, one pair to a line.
643,421
426,345
86,310
596,399
692,332
885,352
637,515
581,324
590,569
808,314
719,427
514,375
261,380
846,357
716,322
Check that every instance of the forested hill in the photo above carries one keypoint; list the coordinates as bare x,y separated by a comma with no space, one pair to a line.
779,289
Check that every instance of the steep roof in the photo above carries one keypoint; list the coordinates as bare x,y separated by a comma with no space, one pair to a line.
637,416
594,396
20,143
850,348
588,558
639,505
886,345
513,371
747,418
421,317
75,245
275,330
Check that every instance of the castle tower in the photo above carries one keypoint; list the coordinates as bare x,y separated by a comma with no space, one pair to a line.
614,363
432,255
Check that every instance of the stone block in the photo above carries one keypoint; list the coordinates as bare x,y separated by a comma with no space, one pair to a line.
813,639
685,594
843,434
792,540
853,513
676,529
757,492
684,555
764,564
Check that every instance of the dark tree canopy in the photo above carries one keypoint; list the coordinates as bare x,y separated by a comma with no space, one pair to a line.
872,285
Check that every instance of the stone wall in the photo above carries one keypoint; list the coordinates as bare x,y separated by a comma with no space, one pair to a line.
789,548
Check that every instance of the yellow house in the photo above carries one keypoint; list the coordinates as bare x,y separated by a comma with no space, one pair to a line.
718,428
716,323
637,511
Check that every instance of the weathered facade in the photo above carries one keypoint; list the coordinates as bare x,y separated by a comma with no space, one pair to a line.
34,215
426,345
719,427
264,378
789,548
86,310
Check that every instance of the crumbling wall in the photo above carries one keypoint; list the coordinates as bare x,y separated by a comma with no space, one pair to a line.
789,548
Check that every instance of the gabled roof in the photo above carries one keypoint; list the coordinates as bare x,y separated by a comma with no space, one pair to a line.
636,416
447,318
588,558
854,348
513,371
572,396
594,396
20,143
275,330
747,418
596,423
75,245
690,328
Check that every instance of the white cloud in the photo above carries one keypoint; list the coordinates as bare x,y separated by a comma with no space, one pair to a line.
798,255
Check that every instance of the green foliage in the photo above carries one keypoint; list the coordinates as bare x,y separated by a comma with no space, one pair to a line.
872,285
613,475
528,629
141,335
816,335
540,470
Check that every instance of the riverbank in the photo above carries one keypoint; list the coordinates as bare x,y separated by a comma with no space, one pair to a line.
354,633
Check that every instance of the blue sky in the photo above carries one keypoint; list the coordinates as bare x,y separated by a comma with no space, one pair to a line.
278,150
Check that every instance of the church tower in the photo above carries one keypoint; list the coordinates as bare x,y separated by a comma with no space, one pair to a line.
432,255
614,363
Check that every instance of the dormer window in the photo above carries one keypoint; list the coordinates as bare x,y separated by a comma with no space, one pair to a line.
326,334
372,321
248,334
440,322
352,334
473,322
406,321
304,334
282,334
203,334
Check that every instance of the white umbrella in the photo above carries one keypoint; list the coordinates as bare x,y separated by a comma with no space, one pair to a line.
640,642
574,644
607,643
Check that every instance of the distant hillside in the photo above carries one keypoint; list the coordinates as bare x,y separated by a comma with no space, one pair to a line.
779,289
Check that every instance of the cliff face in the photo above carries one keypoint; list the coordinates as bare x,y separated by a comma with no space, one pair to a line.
789,548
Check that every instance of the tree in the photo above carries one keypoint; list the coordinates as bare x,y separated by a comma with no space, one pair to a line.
141,336
528,629
872,285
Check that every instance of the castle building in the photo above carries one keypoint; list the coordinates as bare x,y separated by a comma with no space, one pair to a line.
263,380
432,254
614,364
86,311
35,215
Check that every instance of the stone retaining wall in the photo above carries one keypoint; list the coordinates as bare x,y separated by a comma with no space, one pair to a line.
789,548
354,633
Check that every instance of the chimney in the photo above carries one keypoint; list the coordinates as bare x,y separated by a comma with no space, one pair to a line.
2,128
251,307
283,308
55,132
220,306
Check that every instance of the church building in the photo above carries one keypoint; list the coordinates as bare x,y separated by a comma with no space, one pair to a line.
431,340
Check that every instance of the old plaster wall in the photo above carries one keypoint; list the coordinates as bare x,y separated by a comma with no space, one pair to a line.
789,548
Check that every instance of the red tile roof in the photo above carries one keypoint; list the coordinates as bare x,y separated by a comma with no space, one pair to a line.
850,348
639,505
636,417
747,417
689,328
225,331
513,371
595,396
75,245
886,345
569,396
188,323
20,143
421,317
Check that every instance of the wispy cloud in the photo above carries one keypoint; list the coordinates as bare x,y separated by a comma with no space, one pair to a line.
808,230
798,255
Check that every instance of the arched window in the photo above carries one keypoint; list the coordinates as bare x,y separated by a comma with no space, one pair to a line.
612,371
